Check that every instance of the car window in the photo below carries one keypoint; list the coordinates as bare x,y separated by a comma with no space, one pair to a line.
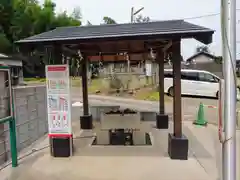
168,74
207,77
192,76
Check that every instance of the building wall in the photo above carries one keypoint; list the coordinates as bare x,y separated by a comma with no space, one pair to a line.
212,67
202,63
31,119
203,59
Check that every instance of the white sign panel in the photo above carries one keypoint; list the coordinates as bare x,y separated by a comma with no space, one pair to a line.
148,66
58,100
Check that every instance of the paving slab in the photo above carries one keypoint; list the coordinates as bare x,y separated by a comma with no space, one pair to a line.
123,162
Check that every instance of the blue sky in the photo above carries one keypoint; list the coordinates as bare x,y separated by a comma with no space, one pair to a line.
119,10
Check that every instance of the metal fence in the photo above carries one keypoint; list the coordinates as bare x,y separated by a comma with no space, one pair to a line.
31,119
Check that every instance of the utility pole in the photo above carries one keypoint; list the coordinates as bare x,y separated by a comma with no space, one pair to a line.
132,21
133,14
228,8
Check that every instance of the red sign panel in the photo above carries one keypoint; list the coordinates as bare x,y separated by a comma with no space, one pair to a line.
57,68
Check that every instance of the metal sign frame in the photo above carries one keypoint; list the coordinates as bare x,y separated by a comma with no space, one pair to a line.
7,69
11,120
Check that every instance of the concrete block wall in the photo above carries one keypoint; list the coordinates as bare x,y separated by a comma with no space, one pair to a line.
4,112
30,114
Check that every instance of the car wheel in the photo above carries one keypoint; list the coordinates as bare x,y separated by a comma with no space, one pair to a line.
217,95
170,91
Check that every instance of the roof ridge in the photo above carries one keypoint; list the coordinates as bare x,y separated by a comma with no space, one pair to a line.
105,25
186,22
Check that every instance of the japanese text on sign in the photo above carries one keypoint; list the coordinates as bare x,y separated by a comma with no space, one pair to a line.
58,99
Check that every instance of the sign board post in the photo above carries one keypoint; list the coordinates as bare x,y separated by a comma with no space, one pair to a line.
59,110
7,110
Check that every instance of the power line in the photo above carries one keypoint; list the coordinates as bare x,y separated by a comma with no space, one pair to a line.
204,16
208,15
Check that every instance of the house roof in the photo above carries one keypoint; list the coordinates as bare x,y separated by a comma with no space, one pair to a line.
9,60
134,31
3,55
199,54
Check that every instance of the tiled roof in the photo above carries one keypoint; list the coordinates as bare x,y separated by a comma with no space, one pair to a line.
201,53
173,27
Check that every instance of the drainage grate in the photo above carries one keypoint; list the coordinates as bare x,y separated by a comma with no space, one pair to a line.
121,138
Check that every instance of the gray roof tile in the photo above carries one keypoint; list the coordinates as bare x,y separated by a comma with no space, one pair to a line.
118,30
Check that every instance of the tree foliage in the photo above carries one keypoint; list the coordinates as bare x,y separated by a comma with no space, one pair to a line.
23,18
141,19
108,20
202,49
89,23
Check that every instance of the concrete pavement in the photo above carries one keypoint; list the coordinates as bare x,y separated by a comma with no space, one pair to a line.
189,109
117,163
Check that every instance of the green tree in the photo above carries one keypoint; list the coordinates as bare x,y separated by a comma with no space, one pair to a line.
23,18
76,14
202,49
6,14
108,20
5,44
46,17
140,19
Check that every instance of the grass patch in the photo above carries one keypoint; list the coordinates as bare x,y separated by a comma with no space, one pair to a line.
144,94
75,82
35,80
148,94
95,85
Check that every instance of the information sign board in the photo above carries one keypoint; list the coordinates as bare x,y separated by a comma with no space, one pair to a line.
58,100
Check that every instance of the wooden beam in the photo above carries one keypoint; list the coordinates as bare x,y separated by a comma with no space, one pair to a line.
96,53
177,103
120,46
167,46
160,60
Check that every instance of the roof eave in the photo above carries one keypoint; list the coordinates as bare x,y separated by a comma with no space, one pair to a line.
204,36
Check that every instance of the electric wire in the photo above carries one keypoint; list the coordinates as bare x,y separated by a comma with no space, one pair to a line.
205,16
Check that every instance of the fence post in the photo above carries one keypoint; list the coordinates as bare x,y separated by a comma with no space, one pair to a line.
13,141
12,130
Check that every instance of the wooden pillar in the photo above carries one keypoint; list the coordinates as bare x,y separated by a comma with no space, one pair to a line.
177,142
57,52
86,119
177,103
160,60
162,120
85,86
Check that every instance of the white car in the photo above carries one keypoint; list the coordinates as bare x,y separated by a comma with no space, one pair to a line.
193,82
